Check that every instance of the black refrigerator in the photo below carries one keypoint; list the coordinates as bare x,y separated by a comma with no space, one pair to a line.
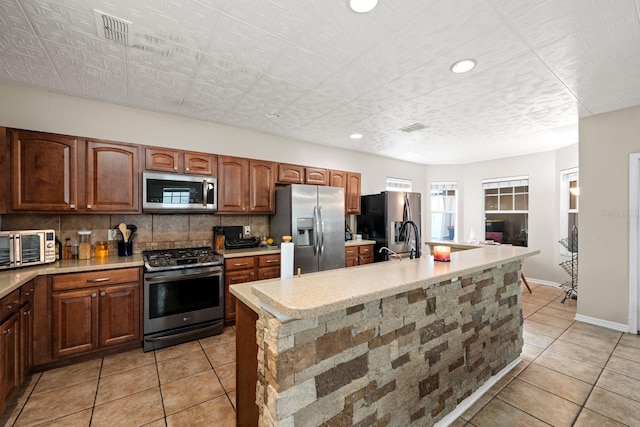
382,217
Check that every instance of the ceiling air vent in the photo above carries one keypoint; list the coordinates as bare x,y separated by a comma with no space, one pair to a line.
113,28
414,127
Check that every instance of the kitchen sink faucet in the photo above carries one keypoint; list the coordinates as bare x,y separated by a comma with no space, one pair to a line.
414,252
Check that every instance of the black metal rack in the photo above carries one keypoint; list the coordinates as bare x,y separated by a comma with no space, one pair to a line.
570,287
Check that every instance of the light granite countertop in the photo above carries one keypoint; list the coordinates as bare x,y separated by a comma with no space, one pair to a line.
11,280
359,242
319,293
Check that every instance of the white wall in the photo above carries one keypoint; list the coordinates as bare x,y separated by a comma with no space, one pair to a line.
606,141
543,170
28,108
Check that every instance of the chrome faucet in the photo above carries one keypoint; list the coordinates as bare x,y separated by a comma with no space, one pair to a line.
414,252
390,253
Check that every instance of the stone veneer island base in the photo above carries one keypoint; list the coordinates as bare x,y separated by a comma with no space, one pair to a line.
403,354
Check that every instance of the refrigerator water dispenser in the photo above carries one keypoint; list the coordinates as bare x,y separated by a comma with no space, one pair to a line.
305,232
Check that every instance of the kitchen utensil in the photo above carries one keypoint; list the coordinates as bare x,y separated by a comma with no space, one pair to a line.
123,229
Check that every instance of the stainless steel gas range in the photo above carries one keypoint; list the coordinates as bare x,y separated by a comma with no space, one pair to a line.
183,295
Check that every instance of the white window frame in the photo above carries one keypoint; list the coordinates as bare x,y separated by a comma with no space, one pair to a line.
446,186
506,182
566,176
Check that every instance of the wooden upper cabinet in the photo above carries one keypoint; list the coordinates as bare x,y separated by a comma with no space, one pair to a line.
233,184
199,163
44,172
245,186
338,179
168,160
262,185
352,193
161,159
290,174
316,176
112,177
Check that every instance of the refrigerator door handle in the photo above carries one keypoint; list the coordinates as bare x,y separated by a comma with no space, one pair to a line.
321,222
316,230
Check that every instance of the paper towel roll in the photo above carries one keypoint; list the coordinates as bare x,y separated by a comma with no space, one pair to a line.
286,260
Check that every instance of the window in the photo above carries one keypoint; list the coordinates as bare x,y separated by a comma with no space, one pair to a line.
569,192
506,208
398,184
444,208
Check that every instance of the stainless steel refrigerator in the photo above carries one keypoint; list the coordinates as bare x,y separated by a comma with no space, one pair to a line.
314,217
381,219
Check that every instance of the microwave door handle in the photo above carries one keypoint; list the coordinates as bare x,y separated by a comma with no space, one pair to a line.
12,255
204,193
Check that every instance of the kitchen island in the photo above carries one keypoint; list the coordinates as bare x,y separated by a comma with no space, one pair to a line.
404,340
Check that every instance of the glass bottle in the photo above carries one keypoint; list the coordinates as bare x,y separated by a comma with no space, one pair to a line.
66,254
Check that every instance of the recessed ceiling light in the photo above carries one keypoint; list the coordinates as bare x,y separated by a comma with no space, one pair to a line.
362,6
463,66
273,115
355,136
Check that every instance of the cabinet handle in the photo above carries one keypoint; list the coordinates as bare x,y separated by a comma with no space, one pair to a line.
269,261
243,208
7,331
27,312
72,206
89,206
187,169
101,279
240,264
252,274
102,293
93,295
175,168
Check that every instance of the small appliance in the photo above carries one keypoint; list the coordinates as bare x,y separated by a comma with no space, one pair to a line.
233,237
24,248
165,192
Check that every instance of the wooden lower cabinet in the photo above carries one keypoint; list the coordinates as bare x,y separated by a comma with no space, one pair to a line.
246,365
87,318
358,255
26,340
243,270
9,359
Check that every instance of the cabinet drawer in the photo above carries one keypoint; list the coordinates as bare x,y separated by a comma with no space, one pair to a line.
94,278
351,250
365,249
268,273
239,263
10,304
26,292
268,260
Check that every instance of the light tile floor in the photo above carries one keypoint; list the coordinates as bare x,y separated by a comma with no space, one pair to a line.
572,373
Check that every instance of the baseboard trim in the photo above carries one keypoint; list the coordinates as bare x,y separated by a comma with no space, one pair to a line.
543,282
621,327
466,403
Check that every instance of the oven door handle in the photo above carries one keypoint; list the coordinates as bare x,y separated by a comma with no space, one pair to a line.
173,278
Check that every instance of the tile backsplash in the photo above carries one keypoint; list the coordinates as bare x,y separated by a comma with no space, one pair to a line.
154,231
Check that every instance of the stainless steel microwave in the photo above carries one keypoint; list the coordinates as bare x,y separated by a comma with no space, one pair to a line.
165,192
27,247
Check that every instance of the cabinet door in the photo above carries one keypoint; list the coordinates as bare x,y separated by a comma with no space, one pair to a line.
290,174
262,187
352,192
113,177
350,256
9,359
200,163
233,278
233,185
365,254
74,317
161,159
268,273
316,176
44,176
119,314
338,179
26,340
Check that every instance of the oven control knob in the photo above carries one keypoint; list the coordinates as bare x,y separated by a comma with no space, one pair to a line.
163,261
172,262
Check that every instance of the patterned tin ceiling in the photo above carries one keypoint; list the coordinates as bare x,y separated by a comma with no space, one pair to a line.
328,72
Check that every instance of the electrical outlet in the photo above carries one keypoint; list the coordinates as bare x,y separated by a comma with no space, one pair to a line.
111,234
247,230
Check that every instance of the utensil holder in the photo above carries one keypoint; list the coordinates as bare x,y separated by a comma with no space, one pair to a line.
125,248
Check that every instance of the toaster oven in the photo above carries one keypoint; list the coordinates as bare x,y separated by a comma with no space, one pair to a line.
27,247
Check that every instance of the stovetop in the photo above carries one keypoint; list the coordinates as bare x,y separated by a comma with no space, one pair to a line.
172,259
